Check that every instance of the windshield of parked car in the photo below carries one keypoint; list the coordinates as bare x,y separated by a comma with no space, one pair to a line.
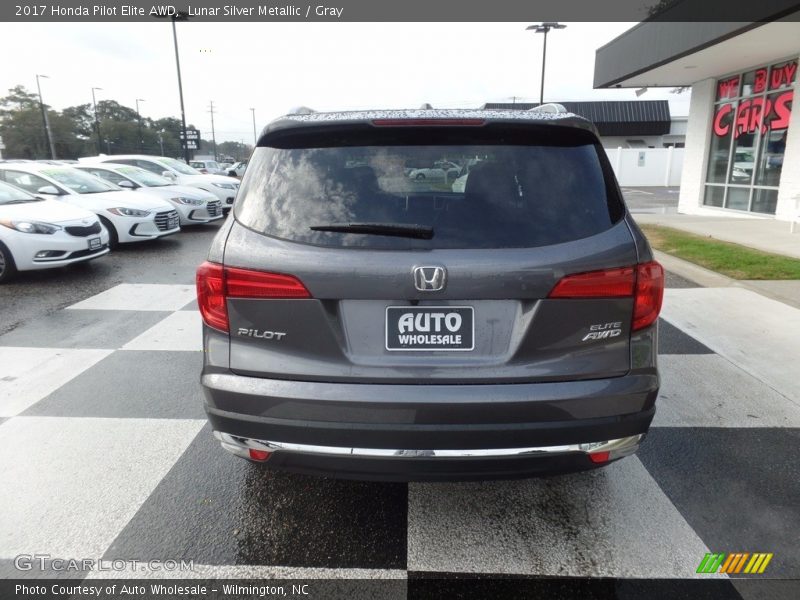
144,177
12,195
79,182
179,166
520,195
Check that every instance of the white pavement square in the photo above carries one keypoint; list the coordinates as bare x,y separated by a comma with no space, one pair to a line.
140,296
29,374
180,331
709,391
613,522
78,481
758,334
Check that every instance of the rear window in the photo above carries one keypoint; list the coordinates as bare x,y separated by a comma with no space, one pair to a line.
466,196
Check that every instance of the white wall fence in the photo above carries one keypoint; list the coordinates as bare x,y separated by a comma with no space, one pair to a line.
646,166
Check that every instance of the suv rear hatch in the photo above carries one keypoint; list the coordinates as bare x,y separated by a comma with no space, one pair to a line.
518,266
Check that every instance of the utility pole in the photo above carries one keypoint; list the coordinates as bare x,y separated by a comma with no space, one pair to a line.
97,121
213,136
139,119
161,141
46,121
180,17
255,138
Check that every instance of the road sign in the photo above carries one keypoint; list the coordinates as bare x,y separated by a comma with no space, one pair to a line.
191,144
191,134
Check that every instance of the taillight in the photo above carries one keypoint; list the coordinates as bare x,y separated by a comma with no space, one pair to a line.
610,283
243,283
215,284
644,282
211,295
649,294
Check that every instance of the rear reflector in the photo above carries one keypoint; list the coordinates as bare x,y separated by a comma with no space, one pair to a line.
428,122
215,284
644,282
595,457
262,455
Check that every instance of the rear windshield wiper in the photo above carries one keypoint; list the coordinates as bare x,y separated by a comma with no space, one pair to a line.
420,232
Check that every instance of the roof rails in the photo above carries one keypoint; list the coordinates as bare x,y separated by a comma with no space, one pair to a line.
550,108
301,110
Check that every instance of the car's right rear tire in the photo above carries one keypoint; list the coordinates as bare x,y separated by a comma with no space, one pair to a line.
7,266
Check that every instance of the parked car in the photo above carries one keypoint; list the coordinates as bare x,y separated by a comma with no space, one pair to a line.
210,167
222,186
194,206
439,171
508,330
237,169
43,234
128,216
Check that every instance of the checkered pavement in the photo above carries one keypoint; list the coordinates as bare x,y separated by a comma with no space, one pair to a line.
105,453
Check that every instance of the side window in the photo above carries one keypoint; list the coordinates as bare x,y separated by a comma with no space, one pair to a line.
26,181
124,161
150,166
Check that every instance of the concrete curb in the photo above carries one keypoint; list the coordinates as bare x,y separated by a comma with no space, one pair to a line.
707,278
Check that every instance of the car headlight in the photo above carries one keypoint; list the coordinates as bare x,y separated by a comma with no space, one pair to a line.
225,186
30,226
123,211
189,201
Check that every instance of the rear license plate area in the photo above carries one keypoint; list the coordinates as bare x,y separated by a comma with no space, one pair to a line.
430,328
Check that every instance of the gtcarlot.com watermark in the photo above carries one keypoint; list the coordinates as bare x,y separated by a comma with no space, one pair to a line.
46,562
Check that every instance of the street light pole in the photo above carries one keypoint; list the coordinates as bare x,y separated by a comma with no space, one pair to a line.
139,119
544,28
180,17
161,141
46,121
96,120
255,139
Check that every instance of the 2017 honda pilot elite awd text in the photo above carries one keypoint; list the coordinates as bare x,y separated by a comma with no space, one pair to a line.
362,323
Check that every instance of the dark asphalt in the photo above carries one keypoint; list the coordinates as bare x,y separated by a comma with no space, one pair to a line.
36,294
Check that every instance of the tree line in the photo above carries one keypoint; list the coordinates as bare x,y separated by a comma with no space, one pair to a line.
74,134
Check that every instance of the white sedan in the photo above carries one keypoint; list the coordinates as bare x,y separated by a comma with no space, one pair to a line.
441,170
194,206
42,234
128,216
237,169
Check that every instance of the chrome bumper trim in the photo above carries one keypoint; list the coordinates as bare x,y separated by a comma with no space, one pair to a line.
616,448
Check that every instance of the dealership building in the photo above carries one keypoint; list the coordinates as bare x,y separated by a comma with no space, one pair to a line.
742,147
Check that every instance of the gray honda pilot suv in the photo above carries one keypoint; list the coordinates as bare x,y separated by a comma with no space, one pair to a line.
425,294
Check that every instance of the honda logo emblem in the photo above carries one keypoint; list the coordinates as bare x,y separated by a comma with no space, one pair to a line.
429,279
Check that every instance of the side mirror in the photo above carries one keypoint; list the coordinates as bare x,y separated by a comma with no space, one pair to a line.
168,174
49,190
126,184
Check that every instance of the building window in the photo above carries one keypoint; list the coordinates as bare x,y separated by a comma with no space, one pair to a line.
748,138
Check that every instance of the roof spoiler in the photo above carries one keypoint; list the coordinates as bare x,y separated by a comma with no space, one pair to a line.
550,108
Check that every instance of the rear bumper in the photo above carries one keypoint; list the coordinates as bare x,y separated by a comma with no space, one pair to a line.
430,432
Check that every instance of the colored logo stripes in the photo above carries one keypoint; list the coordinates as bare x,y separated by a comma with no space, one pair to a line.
735,562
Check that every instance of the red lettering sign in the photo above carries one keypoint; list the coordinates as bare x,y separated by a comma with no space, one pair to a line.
728,88
783,110
755,114
720,129
783,75
761,81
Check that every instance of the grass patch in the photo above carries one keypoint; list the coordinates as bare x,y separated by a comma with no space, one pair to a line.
729,259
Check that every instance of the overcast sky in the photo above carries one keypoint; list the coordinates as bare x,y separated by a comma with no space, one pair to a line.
275,66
